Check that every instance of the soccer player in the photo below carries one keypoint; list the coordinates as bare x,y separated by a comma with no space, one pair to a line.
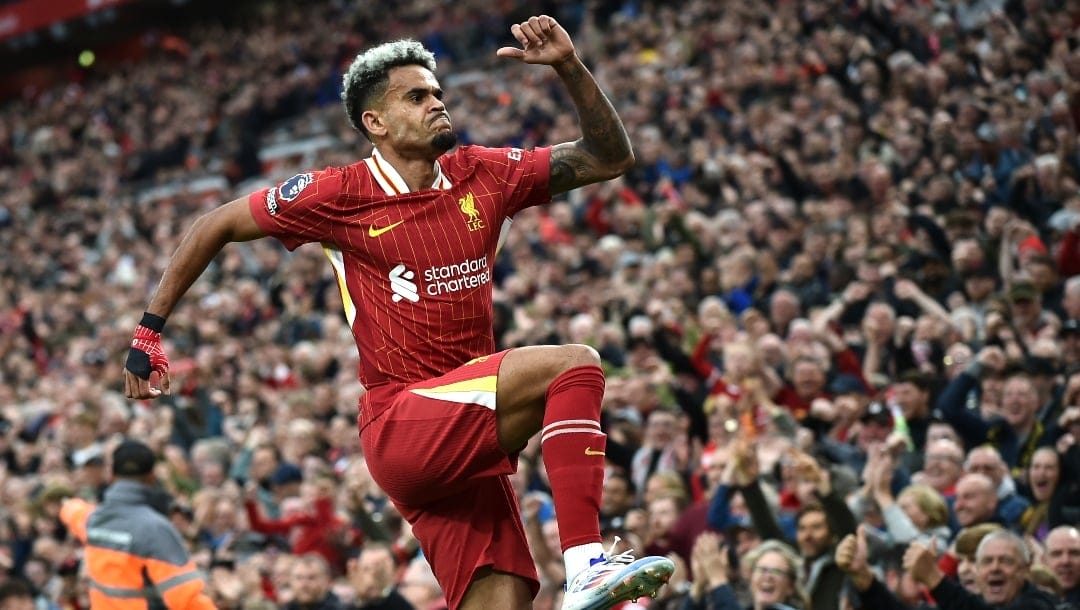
412,233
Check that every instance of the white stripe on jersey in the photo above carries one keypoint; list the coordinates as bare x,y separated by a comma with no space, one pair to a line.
337,261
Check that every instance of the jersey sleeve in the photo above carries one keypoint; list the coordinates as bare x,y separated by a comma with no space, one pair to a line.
299,210
73,514
166,564
521,174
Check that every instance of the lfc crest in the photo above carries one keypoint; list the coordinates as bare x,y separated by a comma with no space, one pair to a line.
472,215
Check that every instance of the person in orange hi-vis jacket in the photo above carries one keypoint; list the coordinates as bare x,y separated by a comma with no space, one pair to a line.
133,554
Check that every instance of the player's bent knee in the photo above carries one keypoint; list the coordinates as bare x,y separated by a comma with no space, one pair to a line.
581,355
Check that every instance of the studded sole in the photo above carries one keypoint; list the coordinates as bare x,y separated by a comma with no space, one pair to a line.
645,583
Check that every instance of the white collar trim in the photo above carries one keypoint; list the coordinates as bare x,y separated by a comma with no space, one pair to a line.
392,182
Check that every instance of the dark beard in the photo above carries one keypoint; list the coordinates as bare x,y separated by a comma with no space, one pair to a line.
444,140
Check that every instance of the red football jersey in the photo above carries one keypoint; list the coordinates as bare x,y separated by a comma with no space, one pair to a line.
414,268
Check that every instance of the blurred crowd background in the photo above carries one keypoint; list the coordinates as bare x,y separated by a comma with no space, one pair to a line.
843,273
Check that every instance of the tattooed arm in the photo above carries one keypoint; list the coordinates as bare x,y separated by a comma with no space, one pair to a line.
603,152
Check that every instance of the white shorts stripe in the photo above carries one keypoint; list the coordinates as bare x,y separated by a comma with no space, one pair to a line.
470,397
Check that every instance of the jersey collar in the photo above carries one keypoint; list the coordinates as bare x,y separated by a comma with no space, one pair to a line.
392,182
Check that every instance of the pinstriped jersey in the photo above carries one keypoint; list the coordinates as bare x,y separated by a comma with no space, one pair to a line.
414,268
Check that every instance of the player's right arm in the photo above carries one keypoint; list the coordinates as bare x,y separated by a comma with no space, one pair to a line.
205,238
603,151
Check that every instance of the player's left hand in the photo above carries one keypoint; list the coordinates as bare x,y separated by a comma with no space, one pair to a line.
543,41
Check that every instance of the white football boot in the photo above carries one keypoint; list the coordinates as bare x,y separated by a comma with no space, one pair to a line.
615,578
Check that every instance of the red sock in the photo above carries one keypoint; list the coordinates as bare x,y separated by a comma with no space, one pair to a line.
573,447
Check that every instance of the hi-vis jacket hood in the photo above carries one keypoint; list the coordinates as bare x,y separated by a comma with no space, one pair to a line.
133,553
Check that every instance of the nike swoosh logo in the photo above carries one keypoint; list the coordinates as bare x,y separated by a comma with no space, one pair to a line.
375,232
589,451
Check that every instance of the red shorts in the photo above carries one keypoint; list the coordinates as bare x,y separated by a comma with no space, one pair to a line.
436,454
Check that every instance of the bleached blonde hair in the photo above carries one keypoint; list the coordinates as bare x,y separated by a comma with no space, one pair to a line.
367,78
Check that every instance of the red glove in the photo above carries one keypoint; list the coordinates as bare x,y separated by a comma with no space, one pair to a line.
948,564
146,354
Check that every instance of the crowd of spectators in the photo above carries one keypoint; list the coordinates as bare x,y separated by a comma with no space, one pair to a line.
838,299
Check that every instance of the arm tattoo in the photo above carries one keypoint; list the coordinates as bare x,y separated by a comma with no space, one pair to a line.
571,167
604,150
